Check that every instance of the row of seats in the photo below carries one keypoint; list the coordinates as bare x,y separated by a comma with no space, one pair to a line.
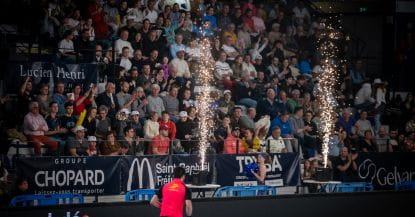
227,191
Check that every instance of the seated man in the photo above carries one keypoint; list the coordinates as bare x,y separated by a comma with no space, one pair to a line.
233,144
345,167
78,145
160,144
34,127
275,143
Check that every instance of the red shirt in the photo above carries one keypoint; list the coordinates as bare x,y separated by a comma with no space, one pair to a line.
162,145
230,145
172,128
173,196
78,109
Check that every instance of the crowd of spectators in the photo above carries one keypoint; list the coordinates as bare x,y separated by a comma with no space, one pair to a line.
265,74
266,69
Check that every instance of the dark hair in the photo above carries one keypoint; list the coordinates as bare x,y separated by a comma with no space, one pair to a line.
179,172
164,113
67,104
297,109
53,102
127,128
20,180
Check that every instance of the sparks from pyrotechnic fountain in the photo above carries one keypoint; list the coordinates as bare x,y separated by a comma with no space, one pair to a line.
204,100
326,88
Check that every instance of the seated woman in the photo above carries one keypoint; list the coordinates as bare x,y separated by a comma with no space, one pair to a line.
110,146
251,142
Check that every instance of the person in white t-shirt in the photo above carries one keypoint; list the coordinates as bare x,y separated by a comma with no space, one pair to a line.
222,68
229,49
123,42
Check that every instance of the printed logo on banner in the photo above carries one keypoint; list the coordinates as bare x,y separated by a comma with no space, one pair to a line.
272,168
140,173
368,170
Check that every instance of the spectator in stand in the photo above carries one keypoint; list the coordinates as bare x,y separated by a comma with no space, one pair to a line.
286,131
226,104
66,47
125,99
394,145
363,99
92,146
223,70
160,144
244,89
233,144
186,100
151,11
111,146
210,17
275,143
171,103
367,144
108,99
181,67
44,99
59,97
362,125
151,126
358,75
241,121
123,42
124,61
68,120
410,125
35,127
250,141
346,121
294,101
165,120
78,145
184,131
273,68
382,140
138,60
247,66
84,46
104,123
82,102
177,46
55,131
409,143
229,49
221,133
90,122
130,144
345,167
269,105
155,103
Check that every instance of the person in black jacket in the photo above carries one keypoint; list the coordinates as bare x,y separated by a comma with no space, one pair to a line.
108,99
184,131
268,106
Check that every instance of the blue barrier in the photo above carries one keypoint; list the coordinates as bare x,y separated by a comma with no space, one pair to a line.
353,187
139,194
405,185
46,200
245,191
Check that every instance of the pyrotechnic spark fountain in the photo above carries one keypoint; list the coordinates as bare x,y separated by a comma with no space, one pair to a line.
328,48
204,105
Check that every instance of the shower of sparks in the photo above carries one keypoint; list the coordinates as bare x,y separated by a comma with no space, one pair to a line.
328,47
204,99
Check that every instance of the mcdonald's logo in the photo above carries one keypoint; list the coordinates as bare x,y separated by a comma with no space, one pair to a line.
140,173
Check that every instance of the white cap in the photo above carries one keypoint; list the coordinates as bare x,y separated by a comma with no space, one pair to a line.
78,128
183,114
131,17
135,113
92,139
125,111
227,91
377,81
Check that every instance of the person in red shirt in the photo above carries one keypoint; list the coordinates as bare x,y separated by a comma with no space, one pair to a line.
172,196
165,120
232,141
160,144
